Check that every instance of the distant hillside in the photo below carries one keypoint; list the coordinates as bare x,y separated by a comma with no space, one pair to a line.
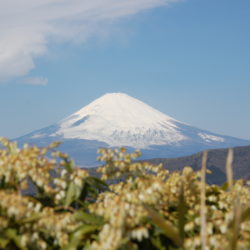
216,163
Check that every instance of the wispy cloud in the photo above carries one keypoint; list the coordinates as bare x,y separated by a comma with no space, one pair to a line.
42,81
27,26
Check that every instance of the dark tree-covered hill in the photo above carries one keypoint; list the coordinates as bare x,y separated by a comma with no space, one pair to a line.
216,163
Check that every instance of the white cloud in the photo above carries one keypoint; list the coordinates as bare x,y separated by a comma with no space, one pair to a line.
27,26
43,81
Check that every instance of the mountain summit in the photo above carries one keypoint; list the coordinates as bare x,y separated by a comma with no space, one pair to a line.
120,120
117,119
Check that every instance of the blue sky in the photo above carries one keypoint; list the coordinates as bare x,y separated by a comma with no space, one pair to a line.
190,59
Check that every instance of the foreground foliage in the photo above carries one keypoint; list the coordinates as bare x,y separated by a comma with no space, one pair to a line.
47,203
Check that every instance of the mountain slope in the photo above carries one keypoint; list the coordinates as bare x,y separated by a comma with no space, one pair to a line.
216,163
117,119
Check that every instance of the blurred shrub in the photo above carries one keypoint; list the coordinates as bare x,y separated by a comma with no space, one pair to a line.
48,203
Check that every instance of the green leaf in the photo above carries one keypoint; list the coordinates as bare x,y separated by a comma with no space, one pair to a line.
78,234
88,218
157,243
166,226
71,194
4,242
32,218
69,164
12,235
96,181
87,246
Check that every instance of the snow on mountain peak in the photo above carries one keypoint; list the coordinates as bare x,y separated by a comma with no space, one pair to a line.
121,120
116,119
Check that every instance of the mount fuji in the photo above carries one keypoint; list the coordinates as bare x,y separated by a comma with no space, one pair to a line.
116,120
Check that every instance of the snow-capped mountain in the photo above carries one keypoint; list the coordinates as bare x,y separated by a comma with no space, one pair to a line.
117,119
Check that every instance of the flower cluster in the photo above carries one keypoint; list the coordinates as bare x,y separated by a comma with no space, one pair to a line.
48,203
39,192
149,199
